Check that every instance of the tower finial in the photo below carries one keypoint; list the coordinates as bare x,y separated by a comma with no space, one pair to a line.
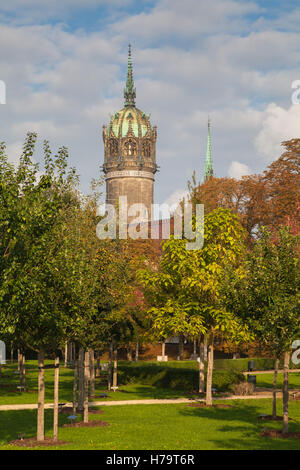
208,172
129,91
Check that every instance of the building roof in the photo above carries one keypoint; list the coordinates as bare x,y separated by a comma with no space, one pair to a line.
130,119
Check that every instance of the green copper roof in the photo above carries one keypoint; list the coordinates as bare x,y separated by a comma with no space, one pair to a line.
208,172
128,119
129,91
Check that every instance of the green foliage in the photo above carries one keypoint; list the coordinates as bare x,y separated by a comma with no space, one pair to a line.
173,377
267,296
241,365
33,310
185,294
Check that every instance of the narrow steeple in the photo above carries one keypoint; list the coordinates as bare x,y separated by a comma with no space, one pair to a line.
129,91
208,172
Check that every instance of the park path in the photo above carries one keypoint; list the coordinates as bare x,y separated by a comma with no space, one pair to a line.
255,372
155,401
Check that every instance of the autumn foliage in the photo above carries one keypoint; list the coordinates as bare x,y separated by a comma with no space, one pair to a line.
267,199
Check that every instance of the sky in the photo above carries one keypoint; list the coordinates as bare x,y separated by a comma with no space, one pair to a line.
64,66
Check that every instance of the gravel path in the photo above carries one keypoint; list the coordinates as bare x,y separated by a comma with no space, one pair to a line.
259,394
257,372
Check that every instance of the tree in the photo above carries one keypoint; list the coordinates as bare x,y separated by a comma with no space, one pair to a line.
185,293
245,197
259,200
282,185
30,297
268,297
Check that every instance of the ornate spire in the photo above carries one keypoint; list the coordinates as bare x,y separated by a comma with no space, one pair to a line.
129,91
208,172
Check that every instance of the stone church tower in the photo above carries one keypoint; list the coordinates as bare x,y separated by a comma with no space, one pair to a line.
129,151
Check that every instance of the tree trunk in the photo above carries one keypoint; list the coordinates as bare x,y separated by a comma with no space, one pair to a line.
163,348
136,351
109,370
129,354
73,355
81,379
92,372
18,359
195,348
205,349
201,366
75,387
66,355
115,374
86,387
210,366
11,354
23,381
55,408
70,351
285,392
41,398
98,365
274,411
180,348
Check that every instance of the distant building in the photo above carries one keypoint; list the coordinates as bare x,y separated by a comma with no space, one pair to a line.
208,170
130,151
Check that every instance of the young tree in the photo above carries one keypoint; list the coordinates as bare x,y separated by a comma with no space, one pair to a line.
31,299
185,293
268,298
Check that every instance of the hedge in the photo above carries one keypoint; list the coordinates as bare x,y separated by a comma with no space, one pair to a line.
174,377
241,365
238,365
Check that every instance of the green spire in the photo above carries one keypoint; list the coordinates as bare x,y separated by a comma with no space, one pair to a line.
129,91
208,172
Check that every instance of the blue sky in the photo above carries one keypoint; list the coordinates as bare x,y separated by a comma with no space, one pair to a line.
64,64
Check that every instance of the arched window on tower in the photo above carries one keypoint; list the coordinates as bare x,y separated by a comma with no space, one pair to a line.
146,149
113,147
130,148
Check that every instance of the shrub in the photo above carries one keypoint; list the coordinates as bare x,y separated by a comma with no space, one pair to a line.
243,388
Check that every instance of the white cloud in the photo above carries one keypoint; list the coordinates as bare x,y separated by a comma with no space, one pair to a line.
26,11
285,20
65,83
237,170
265,50
279,124
188,18
14,151
175,198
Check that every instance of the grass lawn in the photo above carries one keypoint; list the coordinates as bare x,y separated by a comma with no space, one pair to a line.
266,380
162,427
9,395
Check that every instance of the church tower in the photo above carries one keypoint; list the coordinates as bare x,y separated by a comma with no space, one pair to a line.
208,171
130,151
